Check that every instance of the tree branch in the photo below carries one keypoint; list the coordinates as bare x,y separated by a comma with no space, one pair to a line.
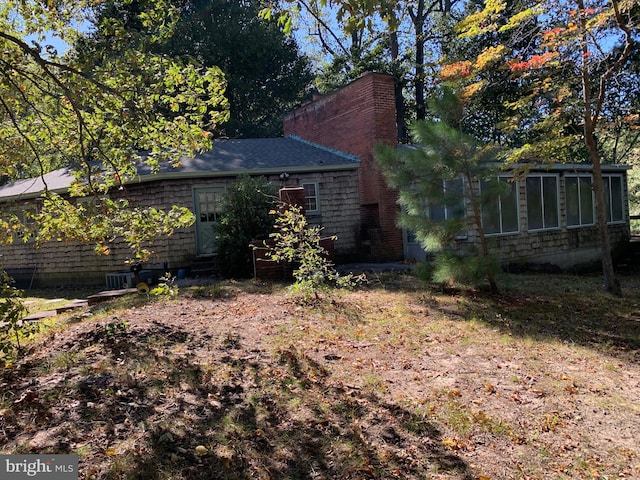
27,139
321,22
44,63
628,47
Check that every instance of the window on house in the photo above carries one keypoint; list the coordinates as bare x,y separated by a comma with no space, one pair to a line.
614,198
542,202
453,204
311,198
579,198
500,213
209,205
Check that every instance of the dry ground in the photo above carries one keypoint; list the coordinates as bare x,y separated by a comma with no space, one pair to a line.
397,380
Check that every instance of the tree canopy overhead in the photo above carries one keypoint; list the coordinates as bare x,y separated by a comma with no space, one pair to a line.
265,73
102,119
267,76
57,110
400,37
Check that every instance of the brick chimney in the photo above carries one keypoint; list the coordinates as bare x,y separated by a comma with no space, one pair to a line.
354,119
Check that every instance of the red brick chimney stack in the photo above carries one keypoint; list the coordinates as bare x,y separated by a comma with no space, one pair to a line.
354,119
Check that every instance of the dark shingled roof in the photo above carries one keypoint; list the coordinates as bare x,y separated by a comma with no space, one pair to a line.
265,153
228,157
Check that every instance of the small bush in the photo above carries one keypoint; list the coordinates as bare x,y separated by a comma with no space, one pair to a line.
166,287
245,218
450,268
13,328
298,243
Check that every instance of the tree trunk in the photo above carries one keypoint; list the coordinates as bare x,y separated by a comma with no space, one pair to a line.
611,283
477,218
417,18
398,88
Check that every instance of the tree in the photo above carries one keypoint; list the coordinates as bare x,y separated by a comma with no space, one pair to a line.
12,312
100,119
436,181
582,47
265,73
298,243
486,109
355,36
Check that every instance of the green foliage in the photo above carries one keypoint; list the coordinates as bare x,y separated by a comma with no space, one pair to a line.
265,73
102,117
106,220
438,175
116,327
166,287
245,217
450,267
12,312
298,243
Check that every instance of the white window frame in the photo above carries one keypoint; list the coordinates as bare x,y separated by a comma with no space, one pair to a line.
593,201
217,211
316,187
541,176
507,178
606,179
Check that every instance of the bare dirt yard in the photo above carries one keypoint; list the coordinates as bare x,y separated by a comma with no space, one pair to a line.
239,380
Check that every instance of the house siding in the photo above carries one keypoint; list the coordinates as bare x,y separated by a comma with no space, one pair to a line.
74,263
562,247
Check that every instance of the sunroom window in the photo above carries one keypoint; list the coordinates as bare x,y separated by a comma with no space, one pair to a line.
542,202
453,201
500,214
614,198
579,196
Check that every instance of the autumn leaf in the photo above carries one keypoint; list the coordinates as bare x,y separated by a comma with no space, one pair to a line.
535,62
489,56
453,443
454,71
472,89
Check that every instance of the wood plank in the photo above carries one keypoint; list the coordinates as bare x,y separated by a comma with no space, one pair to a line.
109,295
72,305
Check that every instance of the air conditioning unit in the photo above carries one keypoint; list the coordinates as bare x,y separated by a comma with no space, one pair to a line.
120,280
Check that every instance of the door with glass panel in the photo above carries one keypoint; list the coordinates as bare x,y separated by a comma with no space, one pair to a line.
208,208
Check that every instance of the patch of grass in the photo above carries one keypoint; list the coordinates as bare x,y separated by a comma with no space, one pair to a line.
563,308
38,300
66,360
392,381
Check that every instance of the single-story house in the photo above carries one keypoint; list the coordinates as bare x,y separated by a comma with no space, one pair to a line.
328,149
329,179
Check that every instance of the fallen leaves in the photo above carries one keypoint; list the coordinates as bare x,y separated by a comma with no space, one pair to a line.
277,388
454,443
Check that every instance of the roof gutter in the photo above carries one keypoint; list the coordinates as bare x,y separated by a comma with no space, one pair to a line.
154,177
